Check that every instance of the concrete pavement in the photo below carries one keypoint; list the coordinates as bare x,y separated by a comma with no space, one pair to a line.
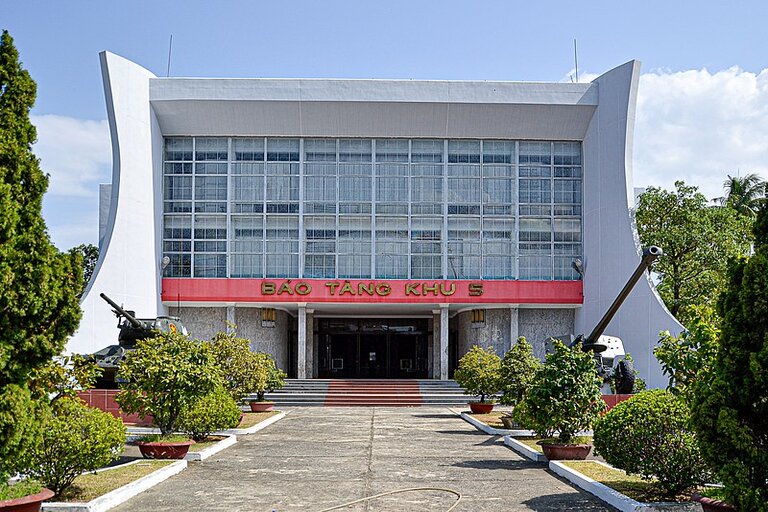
319,457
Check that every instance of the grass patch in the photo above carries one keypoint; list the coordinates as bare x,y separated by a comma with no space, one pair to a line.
205,443
92,485
254,418
530,442
629,485
492,419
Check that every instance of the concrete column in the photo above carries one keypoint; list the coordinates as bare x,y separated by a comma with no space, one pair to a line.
443,342
301,350
514,326
231,326
310,357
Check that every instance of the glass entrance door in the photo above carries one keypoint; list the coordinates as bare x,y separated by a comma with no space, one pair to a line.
373,349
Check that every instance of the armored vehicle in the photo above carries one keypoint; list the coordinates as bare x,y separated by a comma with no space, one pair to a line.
132,329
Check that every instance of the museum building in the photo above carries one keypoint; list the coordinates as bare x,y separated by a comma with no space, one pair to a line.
371,228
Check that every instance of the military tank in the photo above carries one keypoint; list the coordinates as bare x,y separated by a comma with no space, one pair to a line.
132,329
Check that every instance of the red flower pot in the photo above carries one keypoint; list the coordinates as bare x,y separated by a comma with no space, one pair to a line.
712,505
262,406
29,503
164,449
480,407
566,451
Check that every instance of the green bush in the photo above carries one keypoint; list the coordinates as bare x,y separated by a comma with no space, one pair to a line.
518,368
268,377
730,403
478,372
237,362
164,376
564,396
649,435
215,411
684,358
76,438
19,429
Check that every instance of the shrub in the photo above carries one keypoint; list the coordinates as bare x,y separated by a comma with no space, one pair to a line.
730,404
76,438
268,377
164,376
478,372
564,396
649,435
215,411
237,362
19,429
685,357
517,370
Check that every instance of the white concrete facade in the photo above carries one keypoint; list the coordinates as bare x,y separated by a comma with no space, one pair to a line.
143,109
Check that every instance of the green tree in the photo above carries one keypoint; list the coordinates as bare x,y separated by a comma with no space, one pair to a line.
744,194
478,372
39,305
564,397
730,405
164,376
240,367
90,255
697,241
518,367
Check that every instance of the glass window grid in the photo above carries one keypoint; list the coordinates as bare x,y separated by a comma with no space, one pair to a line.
496,171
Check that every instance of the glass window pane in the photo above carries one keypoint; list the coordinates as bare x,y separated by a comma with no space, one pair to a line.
535,153
464,151
178,148
391,150
426,151
498,152
320,150
282,150
248,149
354,150
567,153
211,148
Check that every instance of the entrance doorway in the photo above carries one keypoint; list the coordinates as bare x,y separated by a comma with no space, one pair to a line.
372,349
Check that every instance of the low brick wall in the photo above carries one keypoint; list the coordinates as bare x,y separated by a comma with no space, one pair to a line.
612,400
104,399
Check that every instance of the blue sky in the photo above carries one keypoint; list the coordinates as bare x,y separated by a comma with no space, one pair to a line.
702,113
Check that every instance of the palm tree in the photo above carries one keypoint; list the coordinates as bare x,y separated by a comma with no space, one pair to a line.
744,194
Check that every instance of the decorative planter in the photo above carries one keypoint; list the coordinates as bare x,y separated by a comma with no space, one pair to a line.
29,503
566,451
164,449
261,406
480,407
712,505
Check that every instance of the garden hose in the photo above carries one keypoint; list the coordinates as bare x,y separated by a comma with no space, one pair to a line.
411,489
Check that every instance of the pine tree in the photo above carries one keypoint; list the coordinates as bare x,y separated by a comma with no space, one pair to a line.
38,285
730,407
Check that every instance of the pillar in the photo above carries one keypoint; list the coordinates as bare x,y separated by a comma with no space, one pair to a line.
231,326
443,342
301,350
514,326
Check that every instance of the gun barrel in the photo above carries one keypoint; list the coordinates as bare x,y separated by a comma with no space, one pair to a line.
121,312
650,255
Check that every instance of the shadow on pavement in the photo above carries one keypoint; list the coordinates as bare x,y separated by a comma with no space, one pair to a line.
494,464
560,502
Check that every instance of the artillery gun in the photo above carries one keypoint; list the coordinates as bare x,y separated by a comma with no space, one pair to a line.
608,351
132,329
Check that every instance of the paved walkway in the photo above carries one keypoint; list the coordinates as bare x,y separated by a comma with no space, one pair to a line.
316,458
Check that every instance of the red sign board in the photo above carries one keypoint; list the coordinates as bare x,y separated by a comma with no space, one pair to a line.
371,291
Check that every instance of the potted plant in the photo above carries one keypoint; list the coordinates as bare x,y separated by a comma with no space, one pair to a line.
267,378
163,377
563,400
478,374
517,370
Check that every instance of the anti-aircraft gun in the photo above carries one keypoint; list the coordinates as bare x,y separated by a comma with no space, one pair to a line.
608,351
132,329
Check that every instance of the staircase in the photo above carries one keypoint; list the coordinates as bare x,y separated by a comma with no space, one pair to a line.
368,392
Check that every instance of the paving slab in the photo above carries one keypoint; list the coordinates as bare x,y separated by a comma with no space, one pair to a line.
318,457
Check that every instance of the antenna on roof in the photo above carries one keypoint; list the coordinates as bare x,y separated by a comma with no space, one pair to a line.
170,46
576,59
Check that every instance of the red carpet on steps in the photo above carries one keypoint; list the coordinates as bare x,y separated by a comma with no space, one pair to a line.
370,392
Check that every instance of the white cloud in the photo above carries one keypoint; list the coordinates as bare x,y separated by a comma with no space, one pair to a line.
75,152
699,126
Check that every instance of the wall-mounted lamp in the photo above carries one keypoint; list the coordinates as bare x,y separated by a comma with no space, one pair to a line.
578,266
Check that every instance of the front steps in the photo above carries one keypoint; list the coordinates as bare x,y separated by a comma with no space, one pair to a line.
368,392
